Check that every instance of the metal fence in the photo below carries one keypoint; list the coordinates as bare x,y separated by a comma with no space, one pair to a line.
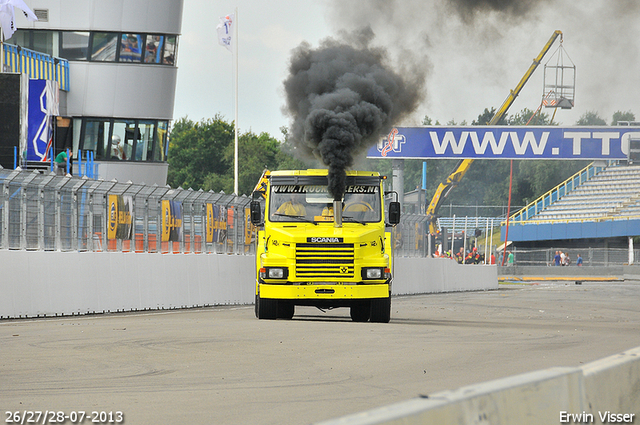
411,240
55,213
590,256
411,235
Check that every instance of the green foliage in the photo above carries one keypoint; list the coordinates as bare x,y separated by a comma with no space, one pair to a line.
201,156
622,116
197,150
486,116
591,118
526,117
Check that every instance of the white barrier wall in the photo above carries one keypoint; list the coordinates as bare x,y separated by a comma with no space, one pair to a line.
56,283
428,275
37,283
608,388
613,384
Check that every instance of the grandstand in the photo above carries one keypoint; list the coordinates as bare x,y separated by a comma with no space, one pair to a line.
614,192
597,207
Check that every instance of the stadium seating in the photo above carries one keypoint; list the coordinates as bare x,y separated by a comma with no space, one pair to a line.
612,193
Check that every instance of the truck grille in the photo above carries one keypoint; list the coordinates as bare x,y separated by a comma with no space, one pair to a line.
318,260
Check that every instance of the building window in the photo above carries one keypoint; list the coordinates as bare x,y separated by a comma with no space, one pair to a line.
169,57
96,137
100,46
20,38
122,142
45,42
130,48
161,148
125,139
103,46
75,45
144,141
153,49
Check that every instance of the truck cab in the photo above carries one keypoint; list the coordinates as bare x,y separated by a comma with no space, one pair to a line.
314,250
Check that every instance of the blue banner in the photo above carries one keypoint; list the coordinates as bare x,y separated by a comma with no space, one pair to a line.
506,142
42,108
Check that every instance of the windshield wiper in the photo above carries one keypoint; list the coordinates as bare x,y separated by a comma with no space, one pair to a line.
299,217
354,220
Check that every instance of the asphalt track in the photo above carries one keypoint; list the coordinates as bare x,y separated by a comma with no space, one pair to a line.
223,366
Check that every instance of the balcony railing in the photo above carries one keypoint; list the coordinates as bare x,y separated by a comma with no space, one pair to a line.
38,66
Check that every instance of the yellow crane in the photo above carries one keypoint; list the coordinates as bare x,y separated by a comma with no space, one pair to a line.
463,166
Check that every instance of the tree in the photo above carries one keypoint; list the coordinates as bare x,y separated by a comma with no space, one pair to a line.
197,150
201,156
428,121
622,116
590,118
526,117
486,117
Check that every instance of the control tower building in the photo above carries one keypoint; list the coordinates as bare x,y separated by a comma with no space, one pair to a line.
122,59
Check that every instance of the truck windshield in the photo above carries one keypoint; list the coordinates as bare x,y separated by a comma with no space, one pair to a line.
312,202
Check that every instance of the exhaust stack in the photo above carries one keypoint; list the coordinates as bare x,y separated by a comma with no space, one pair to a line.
337,213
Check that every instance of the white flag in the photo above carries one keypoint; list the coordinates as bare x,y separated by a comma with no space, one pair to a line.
225,31
7,16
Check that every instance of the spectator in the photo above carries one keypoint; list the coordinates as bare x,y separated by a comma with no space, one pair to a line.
579,260
500,258
61,162
556,259
510,259
567,259
562,255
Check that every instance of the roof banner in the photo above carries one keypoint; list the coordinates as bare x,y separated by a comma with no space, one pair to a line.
506,142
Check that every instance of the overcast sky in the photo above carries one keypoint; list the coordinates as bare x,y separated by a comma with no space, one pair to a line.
474,52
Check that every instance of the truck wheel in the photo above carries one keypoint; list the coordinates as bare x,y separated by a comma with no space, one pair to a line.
285,310
360,312
381,310
266,308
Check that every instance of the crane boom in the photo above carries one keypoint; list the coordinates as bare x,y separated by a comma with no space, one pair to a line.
463,166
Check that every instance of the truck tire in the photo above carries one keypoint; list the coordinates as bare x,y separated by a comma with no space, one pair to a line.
360,312
286,310
266,308
381,310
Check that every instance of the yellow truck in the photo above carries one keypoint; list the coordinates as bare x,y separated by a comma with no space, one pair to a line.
314,250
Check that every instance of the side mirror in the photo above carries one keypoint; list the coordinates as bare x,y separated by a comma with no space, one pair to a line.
394,213
256,213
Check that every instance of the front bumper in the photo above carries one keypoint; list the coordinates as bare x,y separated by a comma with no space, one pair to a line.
324,291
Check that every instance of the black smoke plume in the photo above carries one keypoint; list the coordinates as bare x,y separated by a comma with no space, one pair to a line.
342,97
511,7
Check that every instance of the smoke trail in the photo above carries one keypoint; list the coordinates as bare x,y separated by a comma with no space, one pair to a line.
343,96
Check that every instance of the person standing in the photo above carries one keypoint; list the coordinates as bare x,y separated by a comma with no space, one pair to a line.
556,259
510,259
579,260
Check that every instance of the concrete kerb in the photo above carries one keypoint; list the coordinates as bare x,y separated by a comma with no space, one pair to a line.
571,273
610,385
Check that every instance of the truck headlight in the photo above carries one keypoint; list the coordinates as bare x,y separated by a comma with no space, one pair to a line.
274,273
372,273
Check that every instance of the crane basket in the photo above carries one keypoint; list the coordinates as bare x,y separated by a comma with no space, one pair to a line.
559,81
